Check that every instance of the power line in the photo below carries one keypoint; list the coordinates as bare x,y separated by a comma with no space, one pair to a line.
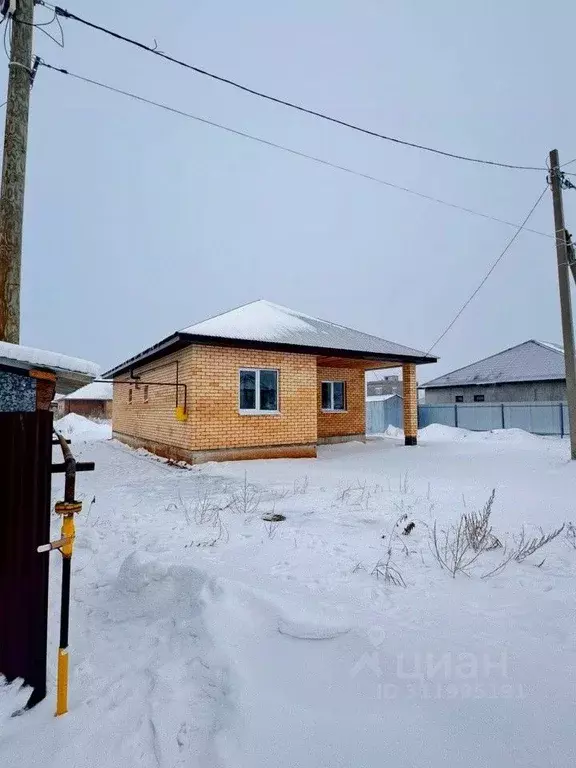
286,149
492,268
39,25
322,115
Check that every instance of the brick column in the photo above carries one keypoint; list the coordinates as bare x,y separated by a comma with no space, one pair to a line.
45,388
410,404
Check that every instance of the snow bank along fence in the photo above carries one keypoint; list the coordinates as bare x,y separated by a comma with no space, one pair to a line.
539,418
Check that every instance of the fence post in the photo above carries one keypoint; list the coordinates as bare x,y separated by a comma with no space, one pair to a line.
503,419
561,419
455,414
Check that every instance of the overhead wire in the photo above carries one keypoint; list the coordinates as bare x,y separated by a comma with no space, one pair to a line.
7,29
58,11
284,148
39,25
62,12
489,272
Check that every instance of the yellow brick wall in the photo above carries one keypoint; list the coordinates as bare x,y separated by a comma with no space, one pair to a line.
154,420
212,377
410,394
353,420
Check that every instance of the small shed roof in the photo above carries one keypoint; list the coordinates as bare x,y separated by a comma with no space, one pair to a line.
97,390
530,361
264,325
71,372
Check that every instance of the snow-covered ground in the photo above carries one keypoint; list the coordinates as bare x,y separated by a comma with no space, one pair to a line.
203,636
74,426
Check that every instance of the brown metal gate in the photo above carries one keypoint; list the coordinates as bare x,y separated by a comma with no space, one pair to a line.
25,472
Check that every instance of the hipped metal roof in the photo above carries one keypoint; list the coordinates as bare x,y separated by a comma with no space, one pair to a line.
264,325
530,361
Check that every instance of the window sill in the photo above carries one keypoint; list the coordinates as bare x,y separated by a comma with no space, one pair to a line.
334,410
253,412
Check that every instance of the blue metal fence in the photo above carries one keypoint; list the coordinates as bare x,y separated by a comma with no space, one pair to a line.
538,418
380,414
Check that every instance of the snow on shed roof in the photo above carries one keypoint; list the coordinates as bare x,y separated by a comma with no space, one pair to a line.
267,322
530,361
97,390
70,371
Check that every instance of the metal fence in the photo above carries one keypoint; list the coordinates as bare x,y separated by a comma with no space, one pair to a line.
382,413
25,480
538,418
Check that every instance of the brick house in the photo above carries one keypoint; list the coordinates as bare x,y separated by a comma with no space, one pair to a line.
260,381
94,401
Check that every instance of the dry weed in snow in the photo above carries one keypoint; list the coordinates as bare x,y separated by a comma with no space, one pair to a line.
245,500
478,530
458,547
385,568
301,485
571,535
205,513
526,546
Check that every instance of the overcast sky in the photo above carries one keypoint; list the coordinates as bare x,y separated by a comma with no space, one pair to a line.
139,222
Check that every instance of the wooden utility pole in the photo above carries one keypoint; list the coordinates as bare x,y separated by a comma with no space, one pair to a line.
565,297
14,169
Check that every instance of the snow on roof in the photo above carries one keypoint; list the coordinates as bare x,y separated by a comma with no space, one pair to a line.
530,361
550,345
41,358
97,390
264,321
70,371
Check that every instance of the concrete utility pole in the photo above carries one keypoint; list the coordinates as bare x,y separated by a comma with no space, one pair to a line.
14,169
565,297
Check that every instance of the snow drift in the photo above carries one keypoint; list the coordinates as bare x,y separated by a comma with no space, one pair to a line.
74,425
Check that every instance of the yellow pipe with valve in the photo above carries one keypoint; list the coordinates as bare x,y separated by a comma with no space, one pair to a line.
66,546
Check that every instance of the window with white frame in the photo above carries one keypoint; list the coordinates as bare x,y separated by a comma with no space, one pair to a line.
333,395
258,390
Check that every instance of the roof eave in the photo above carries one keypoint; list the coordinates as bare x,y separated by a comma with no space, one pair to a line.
305,349
168,345
181,340
66,380
444,384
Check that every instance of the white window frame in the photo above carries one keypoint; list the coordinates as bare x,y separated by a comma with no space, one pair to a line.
332,409
257,411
